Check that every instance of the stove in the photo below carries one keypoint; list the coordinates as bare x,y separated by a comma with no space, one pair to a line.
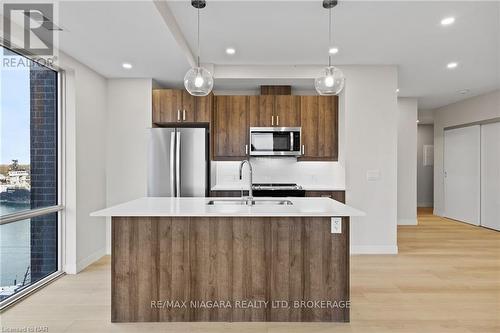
278,190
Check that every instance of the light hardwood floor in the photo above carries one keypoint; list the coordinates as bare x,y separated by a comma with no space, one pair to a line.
446,278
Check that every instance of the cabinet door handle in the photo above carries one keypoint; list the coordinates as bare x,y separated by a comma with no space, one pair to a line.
277,120
303,149
184,114
272,120
178,115
246,149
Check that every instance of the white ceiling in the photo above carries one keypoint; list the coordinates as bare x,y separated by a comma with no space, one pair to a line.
407,34
104,34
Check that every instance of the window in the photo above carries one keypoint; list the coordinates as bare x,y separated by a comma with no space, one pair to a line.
29,196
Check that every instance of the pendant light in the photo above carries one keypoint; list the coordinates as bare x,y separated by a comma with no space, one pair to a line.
198,81
331,80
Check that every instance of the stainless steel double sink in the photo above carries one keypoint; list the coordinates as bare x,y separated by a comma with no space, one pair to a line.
249,202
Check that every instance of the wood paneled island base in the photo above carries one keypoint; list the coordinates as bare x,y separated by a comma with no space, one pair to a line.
229,269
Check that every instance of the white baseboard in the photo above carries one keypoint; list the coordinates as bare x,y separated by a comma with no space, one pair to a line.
425,204
407,221
376,249
85,262
70,269
437,212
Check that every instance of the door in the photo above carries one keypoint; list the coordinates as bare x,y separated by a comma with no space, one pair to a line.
167,105
193,162
462,174
161,159
490,176
287,111
230,127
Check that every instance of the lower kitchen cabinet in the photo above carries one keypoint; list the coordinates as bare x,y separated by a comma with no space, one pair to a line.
230,128
231,193
335,195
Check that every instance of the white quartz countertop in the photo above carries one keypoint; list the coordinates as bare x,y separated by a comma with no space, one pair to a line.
199,207
230,187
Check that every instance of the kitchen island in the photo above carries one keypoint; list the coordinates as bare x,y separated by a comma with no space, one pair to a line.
219,259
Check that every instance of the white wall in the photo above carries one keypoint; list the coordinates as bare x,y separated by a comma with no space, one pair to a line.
407,161
425,174
371,133
129,116
480,108
425,117
85,164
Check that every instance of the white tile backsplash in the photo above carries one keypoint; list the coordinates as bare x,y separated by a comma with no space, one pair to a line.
313,175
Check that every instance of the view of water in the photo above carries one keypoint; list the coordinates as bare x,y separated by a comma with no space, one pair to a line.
14,246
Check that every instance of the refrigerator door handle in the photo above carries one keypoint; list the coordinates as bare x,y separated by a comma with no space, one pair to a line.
172,163
178,164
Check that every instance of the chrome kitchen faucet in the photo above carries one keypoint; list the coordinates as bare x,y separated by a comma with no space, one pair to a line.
250,190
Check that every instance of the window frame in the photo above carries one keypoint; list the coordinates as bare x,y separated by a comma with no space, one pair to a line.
61,173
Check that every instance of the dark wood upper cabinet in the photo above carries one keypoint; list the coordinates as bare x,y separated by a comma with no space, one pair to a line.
203,108
287,111
328,129
175,106
167,105
309,123
230,127
319,123
262,111
279,110
231,116
188,110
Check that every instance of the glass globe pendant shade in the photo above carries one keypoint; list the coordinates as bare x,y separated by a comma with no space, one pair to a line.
331,81
198,81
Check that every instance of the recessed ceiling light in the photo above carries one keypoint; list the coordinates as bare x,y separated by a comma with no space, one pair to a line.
418,121
127,65
230,51
333,50
463,91
452,65
447,21
397,90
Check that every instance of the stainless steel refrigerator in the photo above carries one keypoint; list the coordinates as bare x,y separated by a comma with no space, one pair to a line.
178,162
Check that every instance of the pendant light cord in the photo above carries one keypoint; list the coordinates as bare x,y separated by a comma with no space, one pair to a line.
198,37
329,36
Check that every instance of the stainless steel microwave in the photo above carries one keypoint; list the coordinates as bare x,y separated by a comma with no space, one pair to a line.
275,141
